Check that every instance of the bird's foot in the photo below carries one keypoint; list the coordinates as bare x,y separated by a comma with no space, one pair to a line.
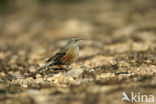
64,68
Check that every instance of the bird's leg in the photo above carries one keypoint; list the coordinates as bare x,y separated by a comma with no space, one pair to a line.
68,67
64,68
61,66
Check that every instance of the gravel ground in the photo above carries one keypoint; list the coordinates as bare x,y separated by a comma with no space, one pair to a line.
118,54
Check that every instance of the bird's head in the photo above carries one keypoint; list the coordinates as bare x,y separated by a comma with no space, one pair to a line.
74,42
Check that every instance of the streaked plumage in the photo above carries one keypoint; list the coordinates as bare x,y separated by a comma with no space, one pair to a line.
66,56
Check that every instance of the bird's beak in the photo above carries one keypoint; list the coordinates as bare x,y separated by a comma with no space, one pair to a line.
81,40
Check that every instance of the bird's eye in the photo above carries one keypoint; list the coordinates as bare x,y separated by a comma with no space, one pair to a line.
76,40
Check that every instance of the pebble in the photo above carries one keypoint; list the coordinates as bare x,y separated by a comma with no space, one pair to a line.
38,75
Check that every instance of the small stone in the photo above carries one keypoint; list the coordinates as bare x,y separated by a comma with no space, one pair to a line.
50,79
68,79
3,55
104,76
32,69
10,72
17,75
24,86
60,80
38,75
2,74
74,72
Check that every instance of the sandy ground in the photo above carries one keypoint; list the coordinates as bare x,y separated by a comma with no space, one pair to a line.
118,54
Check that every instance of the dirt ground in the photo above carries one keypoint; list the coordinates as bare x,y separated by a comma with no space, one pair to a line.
118,54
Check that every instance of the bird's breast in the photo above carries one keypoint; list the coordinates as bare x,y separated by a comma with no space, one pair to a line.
70,56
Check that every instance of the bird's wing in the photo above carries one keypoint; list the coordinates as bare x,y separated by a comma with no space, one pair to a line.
57,56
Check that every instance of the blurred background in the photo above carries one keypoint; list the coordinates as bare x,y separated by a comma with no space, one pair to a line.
53,19
43,22
120,36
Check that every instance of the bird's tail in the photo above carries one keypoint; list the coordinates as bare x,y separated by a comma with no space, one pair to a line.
44,66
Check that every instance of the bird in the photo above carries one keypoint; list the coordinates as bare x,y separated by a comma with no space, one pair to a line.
66,56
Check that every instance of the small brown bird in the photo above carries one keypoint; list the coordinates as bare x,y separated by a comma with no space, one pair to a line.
66,56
